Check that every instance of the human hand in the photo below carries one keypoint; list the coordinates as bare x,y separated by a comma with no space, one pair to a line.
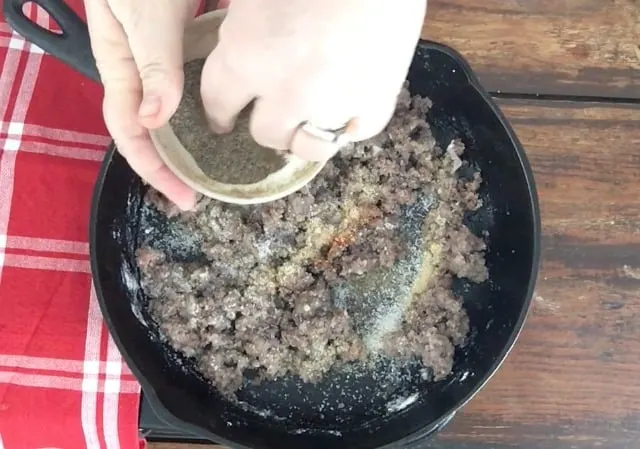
138,51
331,63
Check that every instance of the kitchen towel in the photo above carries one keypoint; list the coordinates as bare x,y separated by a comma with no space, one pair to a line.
63,383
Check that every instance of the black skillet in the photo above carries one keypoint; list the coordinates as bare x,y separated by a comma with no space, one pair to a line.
341,412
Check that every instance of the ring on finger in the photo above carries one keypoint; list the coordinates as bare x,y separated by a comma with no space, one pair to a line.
339,137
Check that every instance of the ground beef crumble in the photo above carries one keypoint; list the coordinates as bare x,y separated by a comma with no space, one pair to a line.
259,301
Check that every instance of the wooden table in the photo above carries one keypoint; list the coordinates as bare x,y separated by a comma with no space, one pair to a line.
567,75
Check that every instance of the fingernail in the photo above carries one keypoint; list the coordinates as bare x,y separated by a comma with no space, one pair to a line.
150,106
219,129
187,204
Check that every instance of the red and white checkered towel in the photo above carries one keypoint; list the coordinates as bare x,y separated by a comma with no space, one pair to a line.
63,383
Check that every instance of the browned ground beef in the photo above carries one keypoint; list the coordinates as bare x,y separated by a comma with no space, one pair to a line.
262,298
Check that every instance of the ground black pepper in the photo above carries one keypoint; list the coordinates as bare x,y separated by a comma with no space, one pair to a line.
233,158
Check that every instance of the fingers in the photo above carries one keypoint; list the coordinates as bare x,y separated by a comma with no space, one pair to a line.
135,145
122,96
276,117
311,148
155,32
370,123
372,120
224,92
271,125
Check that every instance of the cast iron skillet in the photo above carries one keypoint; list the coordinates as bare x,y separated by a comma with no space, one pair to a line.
340,412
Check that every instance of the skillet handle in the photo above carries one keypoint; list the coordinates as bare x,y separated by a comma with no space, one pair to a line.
72,46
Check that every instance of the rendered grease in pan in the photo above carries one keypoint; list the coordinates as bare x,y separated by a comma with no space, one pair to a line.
352,274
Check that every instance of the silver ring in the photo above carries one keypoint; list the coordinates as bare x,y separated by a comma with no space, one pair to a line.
339,137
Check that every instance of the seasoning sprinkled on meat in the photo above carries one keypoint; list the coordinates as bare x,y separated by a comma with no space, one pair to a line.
264,296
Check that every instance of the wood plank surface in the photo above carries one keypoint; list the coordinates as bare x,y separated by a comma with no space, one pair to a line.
565,47
573,379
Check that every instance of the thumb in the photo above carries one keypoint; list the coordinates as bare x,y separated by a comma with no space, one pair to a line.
155,31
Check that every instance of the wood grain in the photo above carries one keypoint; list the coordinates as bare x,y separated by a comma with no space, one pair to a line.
565,47
573,379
